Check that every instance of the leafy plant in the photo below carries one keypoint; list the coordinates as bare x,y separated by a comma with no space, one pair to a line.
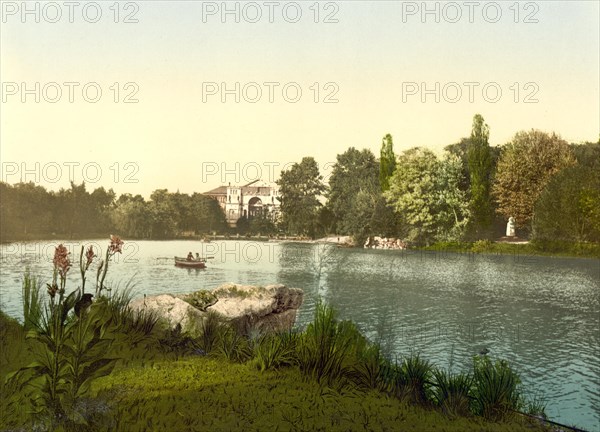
32,301
416,373
452,392
235,347
327,348
536,406
274,350
371,370
496,388
70,349
212,331
202,299
481,246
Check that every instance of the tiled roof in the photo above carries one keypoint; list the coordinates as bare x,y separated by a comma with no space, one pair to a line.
246,190
221,190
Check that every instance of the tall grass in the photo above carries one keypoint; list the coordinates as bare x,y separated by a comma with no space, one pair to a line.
135,325
417,374
213,329
328,348
496,389
372,371
32,301
273,351
452,392
234,346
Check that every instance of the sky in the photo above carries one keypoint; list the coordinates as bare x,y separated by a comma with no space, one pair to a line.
161,80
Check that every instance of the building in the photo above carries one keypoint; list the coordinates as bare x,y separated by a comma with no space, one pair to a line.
248,201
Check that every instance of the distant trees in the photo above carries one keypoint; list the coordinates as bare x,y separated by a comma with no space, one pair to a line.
131,216
551,188
300,188
25,210
525,166
28,211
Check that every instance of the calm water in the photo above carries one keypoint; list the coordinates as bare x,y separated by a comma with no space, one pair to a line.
541,314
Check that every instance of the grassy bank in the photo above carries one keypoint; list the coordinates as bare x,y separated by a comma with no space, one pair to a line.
326,378
537,248
211,395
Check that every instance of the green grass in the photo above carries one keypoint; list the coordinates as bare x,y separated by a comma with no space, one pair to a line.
328,378
207,394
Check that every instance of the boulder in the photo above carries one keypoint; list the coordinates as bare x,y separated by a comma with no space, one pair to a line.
172,311
270,308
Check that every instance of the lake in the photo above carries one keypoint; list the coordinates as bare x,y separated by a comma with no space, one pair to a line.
541,314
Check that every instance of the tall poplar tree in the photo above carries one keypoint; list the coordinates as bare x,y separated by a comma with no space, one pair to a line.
387,162
479,159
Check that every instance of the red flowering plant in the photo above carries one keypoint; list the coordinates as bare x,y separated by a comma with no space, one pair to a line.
62,264
72,347
85,265
115,246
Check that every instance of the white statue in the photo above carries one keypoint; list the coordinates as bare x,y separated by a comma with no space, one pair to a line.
510,227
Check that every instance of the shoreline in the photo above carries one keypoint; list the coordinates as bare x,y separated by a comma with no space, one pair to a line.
556,249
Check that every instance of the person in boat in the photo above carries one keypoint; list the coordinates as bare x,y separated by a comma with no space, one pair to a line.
197,256
190,256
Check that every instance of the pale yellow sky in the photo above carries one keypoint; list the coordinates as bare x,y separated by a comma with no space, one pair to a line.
378,59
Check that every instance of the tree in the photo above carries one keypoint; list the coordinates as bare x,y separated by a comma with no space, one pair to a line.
102,203
262,223
162,220
460,150
454,209
525,166
569,207
207,214
354,172
587,154
76,212
299,187
387,162
479,159
132,216
412,192
425,192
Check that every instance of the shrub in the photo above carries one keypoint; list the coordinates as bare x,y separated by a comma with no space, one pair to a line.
234,346
372,369
274,350
416,373
452,393
496,388
481,246
212,331
328,348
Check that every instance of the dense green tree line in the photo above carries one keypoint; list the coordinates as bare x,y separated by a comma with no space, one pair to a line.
551,189
28,211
